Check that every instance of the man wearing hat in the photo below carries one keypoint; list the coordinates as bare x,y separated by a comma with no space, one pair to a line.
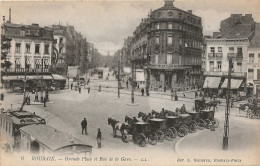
84,125
99,136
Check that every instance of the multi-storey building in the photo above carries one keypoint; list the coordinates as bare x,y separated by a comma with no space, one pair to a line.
30,53
72,48
169,44
253,65
233,40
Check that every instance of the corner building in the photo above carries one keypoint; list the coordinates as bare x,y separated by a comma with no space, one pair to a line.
170,39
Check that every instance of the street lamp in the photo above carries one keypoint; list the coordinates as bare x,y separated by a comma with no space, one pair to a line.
207,88
226,125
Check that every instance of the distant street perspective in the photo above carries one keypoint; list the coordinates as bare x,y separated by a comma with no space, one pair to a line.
169,90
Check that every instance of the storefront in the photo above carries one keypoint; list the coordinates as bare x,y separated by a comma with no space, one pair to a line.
211,85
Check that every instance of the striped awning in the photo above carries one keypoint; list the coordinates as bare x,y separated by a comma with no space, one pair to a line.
58,77
235,83
28,77
211,82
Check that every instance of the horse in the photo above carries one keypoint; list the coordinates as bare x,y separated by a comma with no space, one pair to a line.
145,117
116,125
213,104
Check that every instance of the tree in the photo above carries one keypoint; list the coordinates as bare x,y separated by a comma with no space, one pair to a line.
5,45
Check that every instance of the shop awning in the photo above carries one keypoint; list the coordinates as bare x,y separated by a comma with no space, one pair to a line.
235,83
211,82
28,77
58,77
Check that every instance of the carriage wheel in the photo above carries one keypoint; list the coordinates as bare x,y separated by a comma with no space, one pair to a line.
251,115
124,137
141,140
215,122
168,135
186,128
160,135
182,131
208,123
195,123
192,127
174,131
152,138
201,124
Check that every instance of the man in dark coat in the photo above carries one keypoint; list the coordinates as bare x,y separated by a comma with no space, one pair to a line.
127,84
196,94
183,109
79,89
71,85
84,125
99,136
142,90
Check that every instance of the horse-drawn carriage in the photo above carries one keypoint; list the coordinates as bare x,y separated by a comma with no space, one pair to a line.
174,124
208,117
186,121
200,104
140,132
196,120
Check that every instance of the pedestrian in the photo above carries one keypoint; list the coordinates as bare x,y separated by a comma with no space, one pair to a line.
44,101
79,89
184,94
88,89
71,86
127,84
99,136
84,125
171,96
176,97
164,89
99,88
196,94
137,85
201,94
142,90
36,97
147,92
183,109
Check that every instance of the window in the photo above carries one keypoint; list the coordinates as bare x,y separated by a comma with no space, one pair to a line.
169,40
211,65
239,52
17,47
46,63
27,48
156,59
28,63
169,58
46,49
239,66
169,25
22,33
55,41
231,48
37,48
37,63
250,74
219,65
157,40
219,49
17,63
28,32
251,58
212,49
61,39
157,26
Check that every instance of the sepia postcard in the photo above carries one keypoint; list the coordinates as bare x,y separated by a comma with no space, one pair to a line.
114,82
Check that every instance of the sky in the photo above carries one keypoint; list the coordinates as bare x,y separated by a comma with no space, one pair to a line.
107,23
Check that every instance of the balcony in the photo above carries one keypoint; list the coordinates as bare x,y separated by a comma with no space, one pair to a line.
224,73
22,70
166,66
215,56
237,56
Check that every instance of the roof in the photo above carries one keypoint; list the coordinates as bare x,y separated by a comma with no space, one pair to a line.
58,77
184,115
141,123
157,120
50,137
255,42
172,117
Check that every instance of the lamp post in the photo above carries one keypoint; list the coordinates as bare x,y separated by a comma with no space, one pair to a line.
226,125
24,85
207,88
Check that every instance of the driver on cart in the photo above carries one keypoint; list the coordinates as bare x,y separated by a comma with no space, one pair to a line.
183,109
135,120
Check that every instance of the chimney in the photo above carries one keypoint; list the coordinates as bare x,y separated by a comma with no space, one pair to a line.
10,15
3,19
168,2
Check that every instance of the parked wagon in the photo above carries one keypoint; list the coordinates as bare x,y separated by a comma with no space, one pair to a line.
159,126
174,123
140,133
187,122
196,120
208,117
200,104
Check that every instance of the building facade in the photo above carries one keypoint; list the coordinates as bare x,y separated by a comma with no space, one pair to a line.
236,33
30,53
168,43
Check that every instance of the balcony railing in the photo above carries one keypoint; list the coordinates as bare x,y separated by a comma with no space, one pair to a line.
166,66
224,73
217,56
238,56
22,70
